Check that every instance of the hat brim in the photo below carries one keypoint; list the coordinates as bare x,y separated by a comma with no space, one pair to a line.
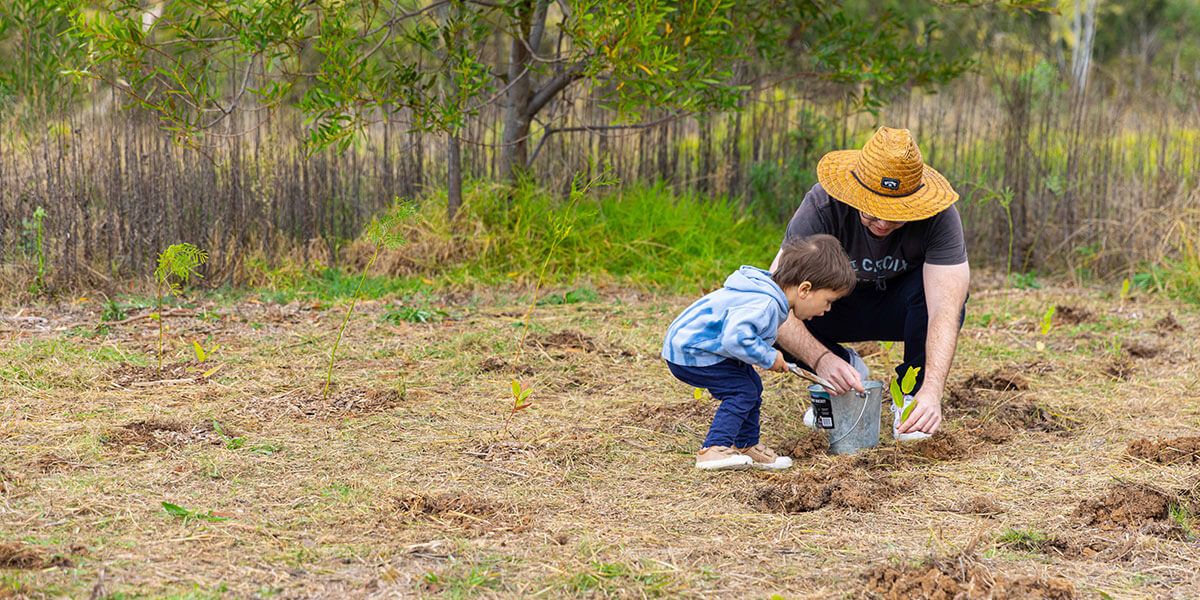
833,171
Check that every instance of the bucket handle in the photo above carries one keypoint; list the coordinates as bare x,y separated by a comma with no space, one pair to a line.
866,398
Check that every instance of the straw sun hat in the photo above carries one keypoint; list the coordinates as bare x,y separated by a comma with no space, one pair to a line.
886,179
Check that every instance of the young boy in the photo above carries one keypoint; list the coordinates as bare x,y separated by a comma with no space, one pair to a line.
716,343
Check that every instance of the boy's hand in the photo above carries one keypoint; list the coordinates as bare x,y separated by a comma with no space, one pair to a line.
780,365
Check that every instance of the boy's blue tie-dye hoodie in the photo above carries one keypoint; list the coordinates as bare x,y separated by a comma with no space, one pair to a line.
740,321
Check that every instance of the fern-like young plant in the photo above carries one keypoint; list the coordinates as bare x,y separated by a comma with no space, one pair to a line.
384,232
177,264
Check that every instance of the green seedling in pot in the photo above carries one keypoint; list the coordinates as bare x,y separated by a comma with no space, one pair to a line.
179,261
900,388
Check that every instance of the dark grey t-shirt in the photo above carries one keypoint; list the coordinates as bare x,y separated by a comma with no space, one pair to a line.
937,240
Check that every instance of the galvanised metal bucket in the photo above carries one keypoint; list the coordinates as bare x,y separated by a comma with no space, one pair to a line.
855,418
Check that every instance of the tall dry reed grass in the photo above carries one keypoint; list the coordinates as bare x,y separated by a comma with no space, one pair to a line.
1093,185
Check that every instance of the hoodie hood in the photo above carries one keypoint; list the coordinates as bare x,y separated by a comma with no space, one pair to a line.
754,280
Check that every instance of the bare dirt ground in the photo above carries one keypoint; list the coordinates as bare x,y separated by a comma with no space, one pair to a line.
1066,467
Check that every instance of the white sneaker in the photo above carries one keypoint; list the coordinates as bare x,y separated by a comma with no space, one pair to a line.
897,411
722,457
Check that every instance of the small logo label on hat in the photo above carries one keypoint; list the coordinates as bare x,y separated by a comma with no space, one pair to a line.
891,184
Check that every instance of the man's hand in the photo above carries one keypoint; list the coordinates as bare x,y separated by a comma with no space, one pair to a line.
926,415
839,372
780,365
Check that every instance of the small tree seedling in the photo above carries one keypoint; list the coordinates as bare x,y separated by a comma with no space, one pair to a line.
1048,319
179,261
519,396
384,232
900,388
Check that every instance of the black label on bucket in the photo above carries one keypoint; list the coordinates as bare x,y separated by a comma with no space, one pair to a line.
822,409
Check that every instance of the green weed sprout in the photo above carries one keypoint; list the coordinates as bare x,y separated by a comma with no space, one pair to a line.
900,388
384,232
189,515
179,261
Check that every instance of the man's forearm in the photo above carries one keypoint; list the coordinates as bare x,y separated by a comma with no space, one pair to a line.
940,343
796,339
945,294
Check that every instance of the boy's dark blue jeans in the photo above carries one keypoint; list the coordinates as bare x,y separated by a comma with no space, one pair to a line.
739,389
895,314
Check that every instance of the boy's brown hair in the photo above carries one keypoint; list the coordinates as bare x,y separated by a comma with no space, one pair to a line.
817,259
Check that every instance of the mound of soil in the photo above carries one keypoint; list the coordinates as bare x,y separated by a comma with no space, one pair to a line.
960,578
463,511
979,505
1121,368
1138,350
1181,450
15,556
1071,315
310,404
1082,547
1000,380
568,340
574,341
495,364
810,444
1006,407
943,445
1168,324
1127,505
159,434
125,375
840,485
679,417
